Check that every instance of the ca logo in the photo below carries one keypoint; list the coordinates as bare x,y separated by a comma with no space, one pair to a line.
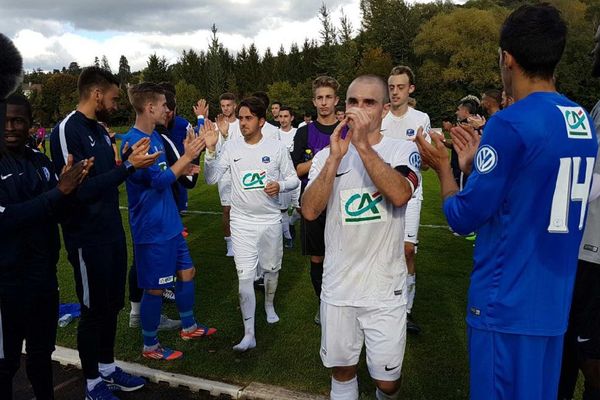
576,122
252,180
363,207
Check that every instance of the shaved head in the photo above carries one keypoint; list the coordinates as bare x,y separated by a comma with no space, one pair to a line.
374,80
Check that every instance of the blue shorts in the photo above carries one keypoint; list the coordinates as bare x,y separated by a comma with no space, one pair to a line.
157,263
508,366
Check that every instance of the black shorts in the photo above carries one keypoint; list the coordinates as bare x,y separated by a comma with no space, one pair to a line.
313,236
584,320
100,274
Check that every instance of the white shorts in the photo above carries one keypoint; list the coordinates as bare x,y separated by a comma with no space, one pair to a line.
224,186
382,329
412,218
255,244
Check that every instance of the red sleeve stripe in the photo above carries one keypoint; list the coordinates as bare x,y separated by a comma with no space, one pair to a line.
413,179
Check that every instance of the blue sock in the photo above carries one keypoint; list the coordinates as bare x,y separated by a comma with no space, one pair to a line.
150,318
184,297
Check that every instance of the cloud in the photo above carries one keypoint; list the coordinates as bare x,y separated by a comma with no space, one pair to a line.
54,43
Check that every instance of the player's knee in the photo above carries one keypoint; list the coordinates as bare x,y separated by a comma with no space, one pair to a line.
409,250
591,372
186,275
344,374
154,292
316,259
388,387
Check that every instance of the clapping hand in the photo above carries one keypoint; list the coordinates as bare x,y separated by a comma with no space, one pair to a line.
465,140
433,154
338,147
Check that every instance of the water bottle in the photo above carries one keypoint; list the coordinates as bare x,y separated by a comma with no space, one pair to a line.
308,155
65,320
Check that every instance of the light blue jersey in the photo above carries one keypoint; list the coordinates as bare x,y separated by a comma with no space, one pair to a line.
526,199
153,214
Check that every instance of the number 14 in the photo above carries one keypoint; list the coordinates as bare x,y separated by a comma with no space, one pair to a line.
568,190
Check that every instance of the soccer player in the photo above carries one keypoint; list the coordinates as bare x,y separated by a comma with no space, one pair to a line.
160,249
275,108
229,129
260,170
582,340
526,198
177,127
403,122
31,201
286,135
491,101
340,113
309,140
364,181
93,234
269,130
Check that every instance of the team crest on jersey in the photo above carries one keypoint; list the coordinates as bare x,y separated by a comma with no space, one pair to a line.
576,121
486,159
362,206
266,159
410,133
107,140
162,166
46,173
254,179
415,160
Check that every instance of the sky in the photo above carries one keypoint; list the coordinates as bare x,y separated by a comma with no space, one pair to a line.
50,35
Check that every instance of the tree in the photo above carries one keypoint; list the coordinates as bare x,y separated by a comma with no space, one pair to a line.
157,70
96,62
187,96
298,97
105,64
59,96
347,55
74,68
459,58
376,62
216,78
191,68
267,68
325,64
124,71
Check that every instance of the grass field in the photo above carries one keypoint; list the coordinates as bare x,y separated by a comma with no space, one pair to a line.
435,365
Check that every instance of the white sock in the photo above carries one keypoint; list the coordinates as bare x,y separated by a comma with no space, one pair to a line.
271,280
285,225
295,217
248,308
382,396
410,287
247,305
106,369
344,390
91,383
135,308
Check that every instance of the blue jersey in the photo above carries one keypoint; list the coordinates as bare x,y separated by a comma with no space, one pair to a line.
527,199
178,132
153,215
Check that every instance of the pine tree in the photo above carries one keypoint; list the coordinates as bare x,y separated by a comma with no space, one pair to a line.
124,71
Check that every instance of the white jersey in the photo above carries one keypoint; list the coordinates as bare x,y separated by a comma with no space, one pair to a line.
287,138
251,167
364,254
590,243
270,131
406,127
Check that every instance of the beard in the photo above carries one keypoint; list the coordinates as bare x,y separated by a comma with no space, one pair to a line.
103,115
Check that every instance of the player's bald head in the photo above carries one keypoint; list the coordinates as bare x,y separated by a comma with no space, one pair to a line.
373,80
